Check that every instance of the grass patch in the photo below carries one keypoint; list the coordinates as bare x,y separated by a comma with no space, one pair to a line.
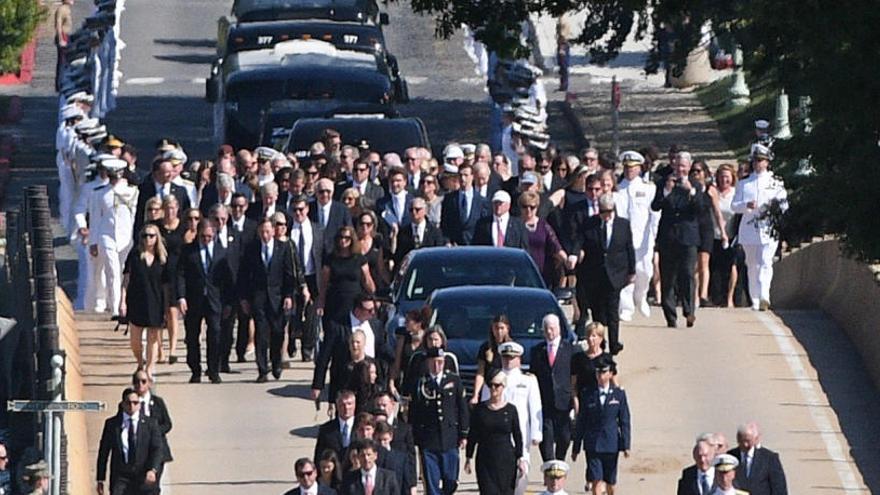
737,124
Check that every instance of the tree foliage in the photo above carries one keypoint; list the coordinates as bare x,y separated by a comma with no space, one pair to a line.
18,23
827,50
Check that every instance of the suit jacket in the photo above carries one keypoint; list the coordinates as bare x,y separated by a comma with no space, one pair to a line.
210,195
159,413
403,441
330,438
334,353
339,217
235,245
371,195
766,476
398,463
616,262
265,288
148,451
385,211
680,214
318,245
433,237
457,230
553,382
205,291
515,236
603,428
248,232
322,490
147,190
575,218
688,484
384,484
439,414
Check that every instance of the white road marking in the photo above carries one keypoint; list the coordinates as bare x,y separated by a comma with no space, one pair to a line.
836,453
415,80
145,81
198,80
474,81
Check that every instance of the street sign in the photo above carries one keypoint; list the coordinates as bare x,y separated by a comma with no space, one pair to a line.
48,405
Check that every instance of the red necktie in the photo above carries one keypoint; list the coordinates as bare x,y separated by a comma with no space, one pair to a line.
368,490
552,354
499,241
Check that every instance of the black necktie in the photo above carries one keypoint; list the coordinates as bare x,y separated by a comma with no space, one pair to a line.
301,248
416,237
132,441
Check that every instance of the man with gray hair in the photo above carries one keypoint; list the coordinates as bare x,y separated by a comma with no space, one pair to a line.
699,478
269,196
420,233
607,264
551,365
760,470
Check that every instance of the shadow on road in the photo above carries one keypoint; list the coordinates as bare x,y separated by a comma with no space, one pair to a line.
305,432
845,382
187,42
189,58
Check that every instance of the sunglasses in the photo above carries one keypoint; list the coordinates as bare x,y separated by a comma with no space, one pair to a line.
148,236
154,209
141,380
344,238
530,207
300,208
496,385
310,172
323,191
305,474
239,206
416,208
281,224
367,224
361,169
194,218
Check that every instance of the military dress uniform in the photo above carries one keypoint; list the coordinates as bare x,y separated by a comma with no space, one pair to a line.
555,469
112,230
439,416
756,234
725,463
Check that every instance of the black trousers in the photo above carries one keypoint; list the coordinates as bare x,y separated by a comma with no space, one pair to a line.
304,323
605,308
268,339
227,325
677,264
241,337
193,324
582,298
131,484
556,429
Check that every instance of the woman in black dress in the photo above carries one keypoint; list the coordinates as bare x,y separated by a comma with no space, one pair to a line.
143,296
344,276
487,356
410,338
583,364
495,429
365,383
374,248
172,230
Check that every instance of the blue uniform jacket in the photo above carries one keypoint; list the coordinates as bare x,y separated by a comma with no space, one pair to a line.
603,429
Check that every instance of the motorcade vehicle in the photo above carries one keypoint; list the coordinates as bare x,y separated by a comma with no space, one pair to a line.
379,132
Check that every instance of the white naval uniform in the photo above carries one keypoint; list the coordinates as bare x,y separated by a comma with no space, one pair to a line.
64,140
190,188
756,235
633,202
522,391
91,280
561,492
112,232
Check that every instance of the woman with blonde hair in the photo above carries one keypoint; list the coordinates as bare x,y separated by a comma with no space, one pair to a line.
172,229
153,212
143,295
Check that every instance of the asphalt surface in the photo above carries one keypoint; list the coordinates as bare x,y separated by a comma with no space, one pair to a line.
791,372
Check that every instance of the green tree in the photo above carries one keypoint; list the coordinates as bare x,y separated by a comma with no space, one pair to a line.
19,20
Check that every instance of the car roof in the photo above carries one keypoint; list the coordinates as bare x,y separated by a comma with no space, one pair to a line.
264,10
352,35
491,291
444,254
312,53
407,132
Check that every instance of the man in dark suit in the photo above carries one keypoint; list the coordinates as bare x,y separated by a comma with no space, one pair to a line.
393,208
266,290
220,191
608,265
338,433
551,365
603,428
308,240
159,184
760,470
153,406
328,214
462,208
370,479
230,240
245,232
204,288
699,478
574,218
420,233
370,192
133,443
440,419
335,352
681,202
399,437
268,204
307,476
501,229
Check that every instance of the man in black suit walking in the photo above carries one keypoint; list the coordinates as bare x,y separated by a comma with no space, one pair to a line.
230,240
608,265
760,470
335,346
370,479
501,229
328,214
420,233
153,406
159,184
245,231
462,208
699,478
338,433
308,240
266,289
681,202
133,444
551,365
307,477
204,287
370,192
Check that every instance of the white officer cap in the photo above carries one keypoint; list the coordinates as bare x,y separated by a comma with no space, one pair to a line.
265,153
762,125
725,463
468,149
510,349
555,468
450,169
71,112
78,62
501,197
88,123
760,151
114,165
100,158
452,152
631,158
80,96
175,156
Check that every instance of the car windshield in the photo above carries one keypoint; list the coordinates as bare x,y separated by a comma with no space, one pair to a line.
258,95
242,7
426,276
469,317
382,135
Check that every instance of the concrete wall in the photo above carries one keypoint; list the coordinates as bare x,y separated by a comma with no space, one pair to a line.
78,479
819,275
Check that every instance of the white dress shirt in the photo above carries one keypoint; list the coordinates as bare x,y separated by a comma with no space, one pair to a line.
307,236
128,422
372,476
266,251
502,222
210,251
419,231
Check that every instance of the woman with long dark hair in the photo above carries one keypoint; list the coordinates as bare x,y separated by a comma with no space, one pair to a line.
410,340
488,357
345,275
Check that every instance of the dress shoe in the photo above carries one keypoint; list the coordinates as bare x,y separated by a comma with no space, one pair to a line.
224,368
262,379
277,374
307,356
672,324
616,348
705,303
291,353
215,378
241,359
172,359
764,305
690,320
645,309
195,378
